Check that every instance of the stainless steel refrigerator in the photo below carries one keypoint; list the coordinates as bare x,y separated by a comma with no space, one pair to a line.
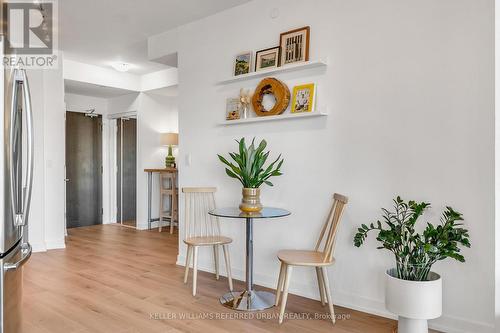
16,179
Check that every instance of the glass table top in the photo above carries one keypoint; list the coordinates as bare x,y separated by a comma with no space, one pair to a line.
235,212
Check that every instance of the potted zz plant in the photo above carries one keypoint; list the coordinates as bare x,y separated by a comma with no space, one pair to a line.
413,291
251,172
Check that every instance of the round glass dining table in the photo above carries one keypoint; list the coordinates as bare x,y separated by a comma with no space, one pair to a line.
248,299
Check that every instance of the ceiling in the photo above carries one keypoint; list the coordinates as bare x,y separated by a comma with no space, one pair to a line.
94,90
101,32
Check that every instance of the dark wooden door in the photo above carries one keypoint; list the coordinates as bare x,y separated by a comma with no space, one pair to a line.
83,170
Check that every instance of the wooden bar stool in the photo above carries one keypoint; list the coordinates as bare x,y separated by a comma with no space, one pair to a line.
202,229
319,259
169,212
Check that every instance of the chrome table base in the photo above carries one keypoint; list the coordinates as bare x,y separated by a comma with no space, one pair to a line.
248,300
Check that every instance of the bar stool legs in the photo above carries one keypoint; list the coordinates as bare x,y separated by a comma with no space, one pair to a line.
171,193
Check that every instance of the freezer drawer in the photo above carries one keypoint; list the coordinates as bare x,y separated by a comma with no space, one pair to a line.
11,289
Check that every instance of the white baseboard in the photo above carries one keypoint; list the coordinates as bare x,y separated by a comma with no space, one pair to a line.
447,324
48,245
144,226
38,247
55,244
141,226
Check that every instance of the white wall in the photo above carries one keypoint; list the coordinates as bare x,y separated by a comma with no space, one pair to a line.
163,44
155,114
81,103
46,223
54,157
159,79
410,93
125,103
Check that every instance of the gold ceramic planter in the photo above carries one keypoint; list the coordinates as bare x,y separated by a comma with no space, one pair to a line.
250,203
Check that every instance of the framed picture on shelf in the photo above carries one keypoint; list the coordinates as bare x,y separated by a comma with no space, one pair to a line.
243,63
232,108
303,98
268,58
294,46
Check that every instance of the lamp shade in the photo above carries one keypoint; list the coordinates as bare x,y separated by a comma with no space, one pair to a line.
169,139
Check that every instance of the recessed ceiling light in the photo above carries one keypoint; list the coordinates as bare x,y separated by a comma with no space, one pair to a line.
121,66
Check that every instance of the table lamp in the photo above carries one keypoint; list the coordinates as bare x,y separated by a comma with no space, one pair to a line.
169,140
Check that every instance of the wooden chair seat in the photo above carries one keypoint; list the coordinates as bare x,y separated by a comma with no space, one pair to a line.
304,258
207,240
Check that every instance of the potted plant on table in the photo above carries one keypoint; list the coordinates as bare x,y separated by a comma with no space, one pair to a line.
413,291
251,172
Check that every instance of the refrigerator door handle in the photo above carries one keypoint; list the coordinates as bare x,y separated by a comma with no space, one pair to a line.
25,255
29,149
20,216
12,150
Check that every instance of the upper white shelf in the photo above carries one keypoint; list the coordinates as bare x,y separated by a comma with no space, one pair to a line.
283,69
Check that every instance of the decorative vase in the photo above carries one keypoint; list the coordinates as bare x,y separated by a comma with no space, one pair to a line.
244,111
250,202
414,302
170,159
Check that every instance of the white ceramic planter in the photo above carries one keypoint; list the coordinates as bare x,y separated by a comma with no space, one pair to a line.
413,301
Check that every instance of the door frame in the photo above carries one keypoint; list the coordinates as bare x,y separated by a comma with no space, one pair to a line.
112,165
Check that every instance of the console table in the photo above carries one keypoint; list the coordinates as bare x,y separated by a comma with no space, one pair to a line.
150,190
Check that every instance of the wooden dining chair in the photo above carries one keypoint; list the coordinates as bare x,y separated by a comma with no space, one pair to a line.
202,229
320,258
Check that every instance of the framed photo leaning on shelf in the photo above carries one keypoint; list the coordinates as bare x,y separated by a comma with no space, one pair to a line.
303,98
232,108
268,58
294,46
243,63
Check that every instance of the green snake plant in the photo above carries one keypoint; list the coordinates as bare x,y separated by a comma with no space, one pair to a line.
248,166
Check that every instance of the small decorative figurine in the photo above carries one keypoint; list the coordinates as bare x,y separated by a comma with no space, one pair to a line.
245,100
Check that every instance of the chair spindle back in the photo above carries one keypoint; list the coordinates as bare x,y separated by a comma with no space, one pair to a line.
198,201
329,230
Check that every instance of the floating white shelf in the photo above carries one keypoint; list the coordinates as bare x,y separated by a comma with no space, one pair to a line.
283,69
284,116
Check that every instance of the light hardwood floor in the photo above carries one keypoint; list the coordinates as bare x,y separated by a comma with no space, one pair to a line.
119,280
